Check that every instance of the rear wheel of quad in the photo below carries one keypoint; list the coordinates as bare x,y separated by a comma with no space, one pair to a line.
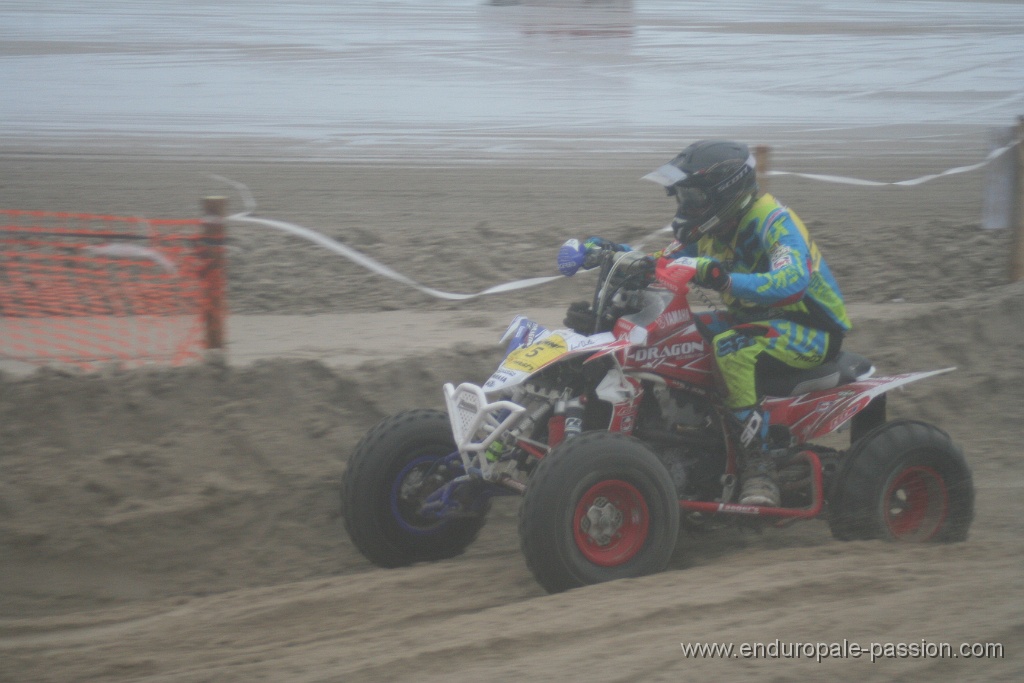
393,469
599,507
903,481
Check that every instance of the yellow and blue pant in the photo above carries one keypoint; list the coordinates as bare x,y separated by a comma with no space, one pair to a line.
740,348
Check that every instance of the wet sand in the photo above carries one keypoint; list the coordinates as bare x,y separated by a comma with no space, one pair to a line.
182,524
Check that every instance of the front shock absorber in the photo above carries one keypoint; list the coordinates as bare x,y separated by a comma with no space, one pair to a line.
566,420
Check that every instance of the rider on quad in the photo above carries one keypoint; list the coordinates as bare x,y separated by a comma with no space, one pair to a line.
784,306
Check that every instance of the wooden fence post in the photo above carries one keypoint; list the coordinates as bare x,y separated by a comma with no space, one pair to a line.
215,209
1017,253
762,157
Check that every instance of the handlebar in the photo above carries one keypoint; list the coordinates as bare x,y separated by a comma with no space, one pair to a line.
620,270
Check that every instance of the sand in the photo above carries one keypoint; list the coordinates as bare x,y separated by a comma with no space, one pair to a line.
182,524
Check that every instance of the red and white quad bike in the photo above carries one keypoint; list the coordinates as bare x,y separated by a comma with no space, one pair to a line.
615,438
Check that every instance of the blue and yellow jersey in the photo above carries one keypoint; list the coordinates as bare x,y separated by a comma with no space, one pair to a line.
776,269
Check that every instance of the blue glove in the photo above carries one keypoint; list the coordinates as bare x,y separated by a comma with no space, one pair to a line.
710,273
573,255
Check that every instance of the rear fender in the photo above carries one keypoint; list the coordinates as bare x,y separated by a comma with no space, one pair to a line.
813,415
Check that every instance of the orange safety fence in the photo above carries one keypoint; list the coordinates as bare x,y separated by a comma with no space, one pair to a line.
86,289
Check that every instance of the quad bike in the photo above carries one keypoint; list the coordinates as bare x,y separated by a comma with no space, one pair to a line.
614,439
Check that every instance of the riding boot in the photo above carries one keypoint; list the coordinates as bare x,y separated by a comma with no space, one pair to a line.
759,479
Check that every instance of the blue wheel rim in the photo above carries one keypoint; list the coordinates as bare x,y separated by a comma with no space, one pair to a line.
428,526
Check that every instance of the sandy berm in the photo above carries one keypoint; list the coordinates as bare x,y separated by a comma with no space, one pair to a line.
182,524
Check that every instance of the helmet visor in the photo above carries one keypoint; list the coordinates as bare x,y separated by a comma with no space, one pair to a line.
692,202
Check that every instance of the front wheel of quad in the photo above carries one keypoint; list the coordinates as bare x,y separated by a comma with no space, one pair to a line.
903,481
599,507
393,469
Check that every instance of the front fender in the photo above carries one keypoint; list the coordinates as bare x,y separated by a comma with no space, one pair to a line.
532,348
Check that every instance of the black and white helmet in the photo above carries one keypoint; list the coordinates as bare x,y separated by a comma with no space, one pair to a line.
714,182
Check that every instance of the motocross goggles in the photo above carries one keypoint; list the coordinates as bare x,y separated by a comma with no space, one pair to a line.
692,202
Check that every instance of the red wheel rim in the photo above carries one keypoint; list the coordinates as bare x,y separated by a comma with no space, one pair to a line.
916,504
611,522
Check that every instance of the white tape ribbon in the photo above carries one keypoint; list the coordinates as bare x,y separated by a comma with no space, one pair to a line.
374,266
379,268
905,183
133,251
